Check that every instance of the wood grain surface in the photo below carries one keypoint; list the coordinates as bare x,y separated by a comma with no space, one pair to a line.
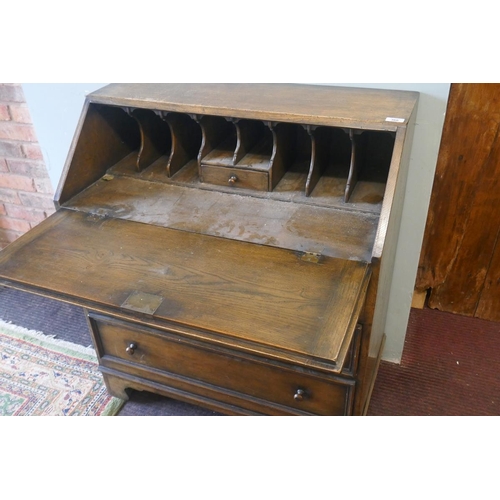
459,259
173,355
306,228
308,104
257,293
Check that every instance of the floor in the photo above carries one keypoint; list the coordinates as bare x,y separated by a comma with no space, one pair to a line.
449,366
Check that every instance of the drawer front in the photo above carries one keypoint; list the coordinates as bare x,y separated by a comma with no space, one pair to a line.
233,177
174,355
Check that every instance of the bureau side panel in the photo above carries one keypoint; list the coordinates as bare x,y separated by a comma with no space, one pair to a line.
375,314
104,136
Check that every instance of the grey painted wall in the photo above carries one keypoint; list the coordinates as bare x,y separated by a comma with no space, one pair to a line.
56,108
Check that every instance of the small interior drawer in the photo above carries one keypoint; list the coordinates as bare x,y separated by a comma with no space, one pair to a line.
171,354
235,177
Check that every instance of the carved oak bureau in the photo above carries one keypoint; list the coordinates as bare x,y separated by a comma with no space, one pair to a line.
231,244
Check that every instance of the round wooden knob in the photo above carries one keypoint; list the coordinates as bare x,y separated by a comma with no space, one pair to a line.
232,180
299,395
131,348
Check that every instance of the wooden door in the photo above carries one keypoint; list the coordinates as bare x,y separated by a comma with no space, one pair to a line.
460,259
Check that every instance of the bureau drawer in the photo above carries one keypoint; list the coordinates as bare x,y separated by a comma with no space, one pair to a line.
171,354
234,177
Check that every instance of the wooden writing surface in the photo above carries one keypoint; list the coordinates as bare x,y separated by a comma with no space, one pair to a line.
260,294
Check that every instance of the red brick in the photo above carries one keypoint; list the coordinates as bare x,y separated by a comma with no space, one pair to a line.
17,182
9,196
7,237
20,113
3,165
25,213
11,92
35,200
4,113
14,224
32,151
17,132
43,186
10,150
29,168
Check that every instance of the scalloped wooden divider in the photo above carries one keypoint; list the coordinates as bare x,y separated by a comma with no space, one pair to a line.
155,137
354,164
218,141
186,141
282,153
319,155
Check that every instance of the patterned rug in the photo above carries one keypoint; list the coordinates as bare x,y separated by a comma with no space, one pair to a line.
44,376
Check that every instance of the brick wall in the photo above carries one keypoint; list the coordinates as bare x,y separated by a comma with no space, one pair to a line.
25,190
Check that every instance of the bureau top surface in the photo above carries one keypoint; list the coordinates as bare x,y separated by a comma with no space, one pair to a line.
268,299
308,104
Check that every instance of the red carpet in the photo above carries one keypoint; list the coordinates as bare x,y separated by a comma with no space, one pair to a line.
450,366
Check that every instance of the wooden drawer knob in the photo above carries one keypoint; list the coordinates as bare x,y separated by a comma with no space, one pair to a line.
299,395
131,348
232,180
